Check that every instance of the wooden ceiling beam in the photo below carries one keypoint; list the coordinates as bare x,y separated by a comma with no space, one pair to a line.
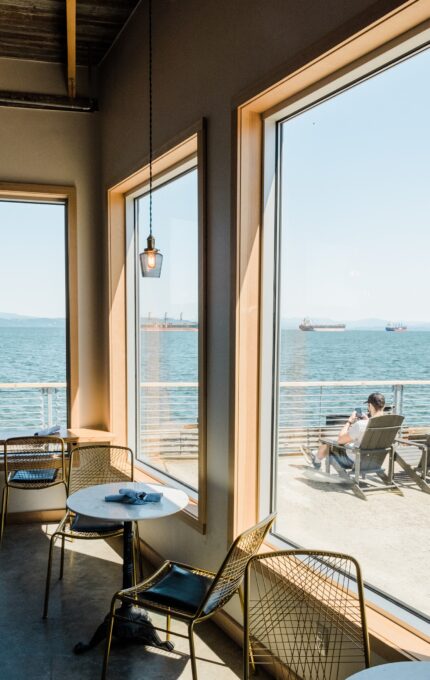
71,48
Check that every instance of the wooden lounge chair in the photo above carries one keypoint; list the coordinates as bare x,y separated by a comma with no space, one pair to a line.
367,473
412,454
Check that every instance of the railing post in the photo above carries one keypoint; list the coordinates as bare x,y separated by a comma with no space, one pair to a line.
398,399
49,393
56,418
43,393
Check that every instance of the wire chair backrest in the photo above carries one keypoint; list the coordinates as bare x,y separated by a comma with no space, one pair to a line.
99,464
232,570
305,615
33,453
381,432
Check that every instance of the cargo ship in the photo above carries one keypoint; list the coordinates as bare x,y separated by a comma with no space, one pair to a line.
167,324
307,325
396,327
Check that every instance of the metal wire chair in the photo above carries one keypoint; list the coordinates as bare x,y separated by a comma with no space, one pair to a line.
32,463
305,615
89,466
189,593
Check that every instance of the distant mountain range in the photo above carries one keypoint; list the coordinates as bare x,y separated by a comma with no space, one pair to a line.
358,324
20,321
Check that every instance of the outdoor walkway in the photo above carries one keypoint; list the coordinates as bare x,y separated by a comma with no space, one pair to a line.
42,650
388,534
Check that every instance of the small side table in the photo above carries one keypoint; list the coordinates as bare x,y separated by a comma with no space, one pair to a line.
135,624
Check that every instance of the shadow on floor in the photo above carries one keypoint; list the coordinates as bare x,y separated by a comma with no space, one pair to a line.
37,649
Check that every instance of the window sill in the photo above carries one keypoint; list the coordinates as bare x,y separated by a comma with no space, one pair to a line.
190,514
390,637
394,639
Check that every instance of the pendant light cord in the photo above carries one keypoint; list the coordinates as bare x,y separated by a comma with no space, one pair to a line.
150,113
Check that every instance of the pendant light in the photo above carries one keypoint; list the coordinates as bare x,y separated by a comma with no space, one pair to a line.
151,259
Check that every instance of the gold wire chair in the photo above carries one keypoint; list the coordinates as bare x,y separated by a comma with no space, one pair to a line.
305,615
32,463
191,594
89,466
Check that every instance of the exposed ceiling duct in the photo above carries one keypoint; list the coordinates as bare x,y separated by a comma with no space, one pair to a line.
47,102
67,32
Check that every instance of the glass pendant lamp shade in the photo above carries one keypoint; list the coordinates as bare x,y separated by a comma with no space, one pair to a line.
151,260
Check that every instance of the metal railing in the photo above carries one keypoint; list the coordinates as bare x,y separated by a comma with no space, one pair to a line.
169,410
168,420
32,405
308,410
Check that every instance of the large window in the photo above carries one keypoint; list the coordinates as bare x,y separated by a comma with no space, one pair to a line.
33,357
165,348
157,327
345,249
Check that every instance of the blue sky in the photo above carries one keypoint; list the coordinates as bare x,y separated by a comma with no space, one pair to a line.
32,259
356,216
175,213
356,201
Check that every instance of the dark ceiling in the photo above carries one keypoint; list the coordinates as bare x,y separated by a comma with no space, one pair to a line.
37,30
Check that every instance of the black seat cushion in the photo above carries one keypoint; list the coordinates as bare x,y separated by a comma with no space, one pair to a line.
90,524
179,589
43,476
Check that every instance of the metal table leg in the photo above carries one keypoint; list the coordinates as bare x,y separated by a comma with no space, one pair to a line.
134,624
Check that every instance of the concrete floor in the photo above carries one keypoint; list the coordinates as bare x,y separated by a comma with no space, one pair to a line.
388,534
43,650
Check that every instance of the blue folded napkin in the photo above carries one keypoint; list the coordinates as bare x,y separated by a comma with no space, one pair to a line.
134,497
47,431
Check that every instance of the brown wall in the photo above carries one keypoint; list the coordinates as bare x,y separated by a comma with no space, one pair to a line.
205,54
51,147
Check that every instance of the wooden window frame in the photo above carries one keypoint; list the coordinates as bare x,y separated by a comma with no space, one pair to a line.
65,195
191,142
391,637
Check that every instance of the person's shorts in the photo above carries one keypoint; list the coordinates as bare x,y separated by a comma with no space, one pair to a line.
344,461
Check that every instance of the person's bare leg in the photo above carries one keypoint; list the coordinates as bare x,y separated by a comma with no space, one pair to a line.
322,451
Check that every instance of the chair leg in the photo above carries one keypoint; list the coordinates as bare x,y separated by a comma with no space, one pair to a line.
168,620
4,503
48,576
108,639
62,557
250,653
192,651
419,479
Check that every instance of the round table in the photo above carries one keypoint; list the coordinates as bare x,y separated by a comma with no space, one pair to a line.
403,670
135,623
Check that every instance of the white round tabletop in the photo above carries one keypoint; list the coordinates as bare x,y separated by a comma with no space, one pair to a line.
403,670
91,502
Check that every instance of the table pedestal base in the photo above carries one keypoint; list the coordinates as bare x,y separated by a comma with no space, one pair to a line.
134,626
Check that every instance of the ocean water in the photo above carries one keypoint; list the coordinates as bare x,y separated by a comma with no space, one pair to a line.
37,354
352,356
355,355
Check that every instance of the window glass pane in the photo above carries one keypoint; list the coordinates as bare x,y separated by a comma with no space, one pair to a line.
168,337
355,205
32,316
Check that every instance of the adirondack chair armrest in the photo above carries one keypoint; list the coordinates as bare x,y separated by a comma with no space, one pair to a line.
329,442
335,447
410,442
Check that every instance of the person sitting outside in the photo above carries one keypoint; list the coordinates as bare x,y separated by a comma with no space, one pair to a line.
351,433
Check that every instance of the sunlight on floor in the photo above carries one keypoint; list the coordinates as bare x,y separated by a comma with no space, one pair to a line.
103,550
